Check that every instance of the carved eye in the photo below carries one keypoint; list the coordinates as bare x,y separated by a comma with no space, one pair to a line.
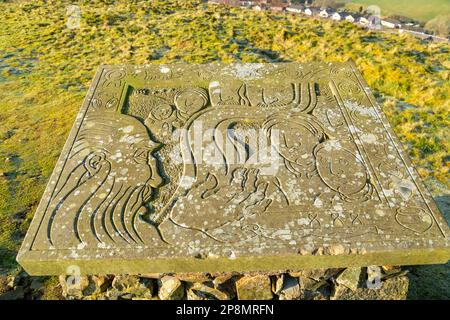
94,162
141,155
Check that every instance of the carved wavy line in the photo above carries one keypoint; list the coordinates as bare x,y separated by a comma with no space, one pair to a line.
107,210
278,184
129,223
88,147
122,214
135,214
67,179
60,201
112,215
94,215
80,210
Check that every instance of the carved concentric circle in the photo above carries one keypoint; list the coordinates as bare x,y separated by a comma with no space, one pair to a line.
191,100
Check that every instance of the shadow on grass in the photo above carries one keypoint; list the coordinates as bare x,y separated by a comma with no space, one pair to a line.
431,281
246,47
7,260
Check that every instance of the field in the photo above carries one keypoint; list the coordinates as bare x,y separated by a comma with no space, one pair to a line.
420,10
46,68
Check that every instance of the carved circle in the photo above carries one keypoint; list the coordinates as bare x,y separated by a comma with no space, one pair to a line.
341,170
95,161
191,100
115,74
162,111
114,77
96,103
111,103
349,87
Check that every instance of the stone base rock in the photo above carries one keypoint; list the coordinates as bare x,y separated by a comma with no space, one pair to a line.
170,288
201,291
386,282
254,288
391,289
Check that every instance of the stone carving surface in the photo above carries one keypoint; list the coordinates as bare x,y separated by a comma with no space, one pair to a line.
241,167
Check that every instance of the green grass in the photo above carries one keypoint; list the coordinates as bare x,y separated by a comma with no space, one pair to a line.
421,10
46,69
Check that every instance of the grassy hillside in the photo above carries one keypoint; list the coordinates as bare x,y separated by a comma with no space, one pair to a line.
422,10
46,68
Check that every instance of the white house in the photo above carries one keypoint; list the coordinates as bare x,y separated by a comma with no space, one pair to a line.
390,23
277,8
350,18
295,8
336,16
364,21
246,4
257,8
324,13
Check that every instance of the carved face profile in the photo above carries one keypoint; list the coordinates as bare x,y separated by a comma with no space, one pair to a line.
110,175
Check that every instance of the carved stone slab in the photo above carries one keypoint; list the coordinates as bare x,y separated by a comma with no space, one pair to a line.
208,168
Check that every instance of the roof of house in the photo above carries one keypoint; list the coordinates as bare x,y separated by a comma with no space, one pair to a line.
278,3
297,6
313,9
